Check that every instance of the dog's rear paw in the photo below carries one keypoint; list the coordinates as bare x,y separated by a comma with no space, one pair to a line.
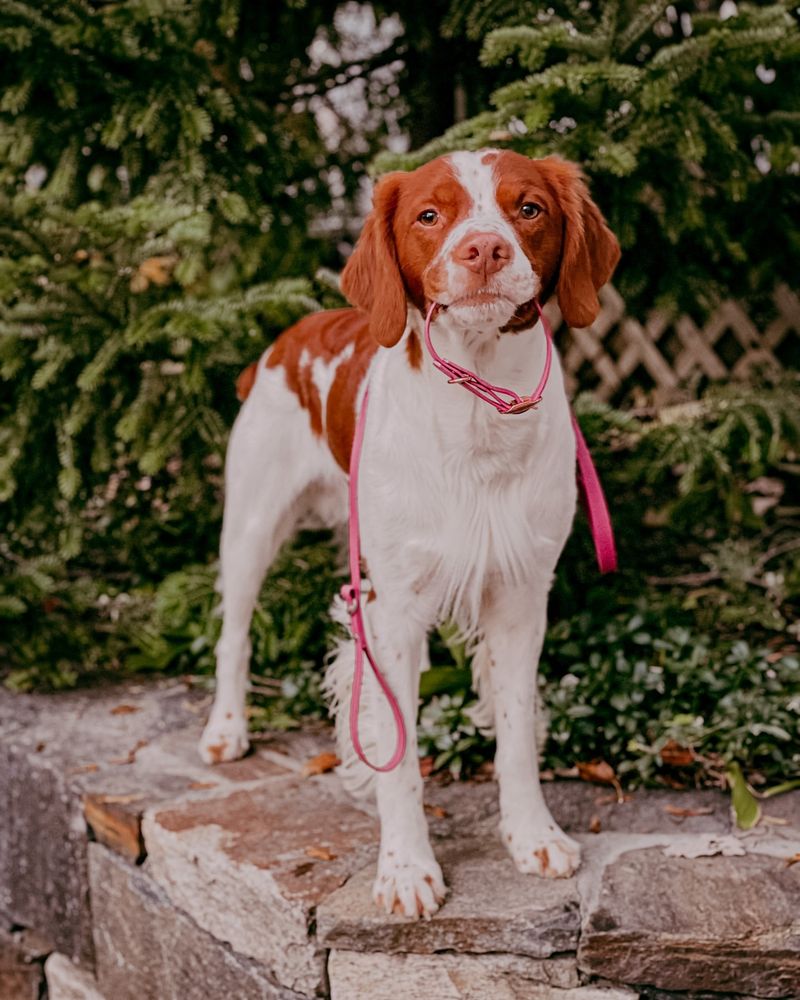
553,855
409,886
224,739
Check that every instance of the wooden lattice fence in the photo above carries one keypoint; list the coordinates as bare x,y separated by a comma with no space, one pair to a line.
623,360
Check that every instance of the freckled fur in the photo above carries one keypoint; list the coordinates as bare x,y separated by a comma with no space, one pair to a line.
464,512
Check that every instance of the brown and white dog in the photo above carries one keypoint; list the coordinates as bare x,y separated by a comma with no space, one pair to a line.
464,512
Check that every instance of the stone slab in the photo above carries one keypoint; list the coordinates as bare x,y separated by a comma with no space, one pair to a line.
709,923
75,761
66,981
147,949
375,976
48,746
251,867
490,908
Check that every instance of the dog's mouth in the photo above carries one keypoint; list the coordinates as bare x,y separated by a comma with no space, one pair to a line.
523,316
483,297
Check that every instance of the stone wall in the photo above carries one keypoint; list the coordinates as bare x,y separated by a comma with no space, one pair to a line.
145,875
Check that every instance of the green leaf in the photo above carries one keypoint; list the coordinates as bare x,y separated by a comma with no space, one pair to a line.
443,680
745,805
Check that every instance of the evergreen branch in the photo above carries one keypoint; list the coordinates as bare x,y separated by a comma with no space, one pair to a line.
639,25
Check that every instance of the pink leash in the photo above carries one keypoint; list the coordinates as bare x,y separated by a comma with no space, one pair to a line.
504,401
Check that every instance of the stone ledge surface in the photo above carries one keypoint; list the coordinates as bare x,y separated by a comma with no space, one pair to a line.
489,908
243,866
718,923
256,882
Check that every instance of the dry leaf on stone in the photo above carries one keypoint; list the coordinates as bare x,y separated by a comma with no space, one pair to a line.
683,811
321,853
595,826
130,757
706,846
125,709
436,811
601,773
674,755
323,762
793,860
195,785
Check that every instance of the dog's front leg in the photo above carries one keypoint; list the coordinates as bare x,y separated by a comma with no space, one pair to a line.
409,879
513,626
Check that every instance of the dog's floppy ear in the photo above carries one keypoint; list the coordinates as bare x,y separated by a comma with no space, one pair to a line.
371,279
590,251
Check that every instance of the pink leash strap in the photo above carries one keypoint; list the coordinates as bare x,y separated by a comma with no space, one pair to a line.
594,501
351,592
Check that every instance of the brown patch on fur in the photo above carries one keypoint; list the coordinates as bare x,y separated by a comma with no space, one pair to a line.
325,335
246,381
216,751
414,351
488,158
544,859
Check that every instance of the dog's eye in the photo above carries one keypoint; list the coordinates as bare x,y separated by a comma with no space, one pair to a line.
429,217
530,210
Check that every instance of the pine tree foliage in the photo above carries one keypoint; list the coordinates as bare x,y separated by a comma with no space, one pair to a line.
686,119
161,175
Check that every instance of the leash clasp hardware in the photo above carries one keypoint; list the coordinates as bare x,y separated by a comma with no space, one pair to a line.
525,404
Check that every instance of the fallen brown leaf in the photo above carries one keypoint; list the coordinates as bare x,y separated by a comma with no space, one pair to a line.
321,853
323,762
303,869
595,826
686,811
202,784
793,860
597,771
601,773
436,811
674,755
130,757
125,709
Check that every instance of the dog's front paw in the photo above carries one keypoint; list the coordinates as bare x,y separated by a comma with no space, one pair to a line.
224,738
550,855
410,886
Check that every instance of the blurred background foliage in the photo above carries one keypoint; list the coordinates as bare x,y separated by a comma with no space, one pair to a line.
179,181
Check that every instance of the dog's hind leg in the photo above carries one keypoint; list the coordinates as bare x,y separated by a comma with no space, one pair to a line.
272,465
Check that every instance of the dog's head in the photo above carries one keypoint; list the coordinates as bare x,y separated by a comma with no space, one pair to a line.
484,234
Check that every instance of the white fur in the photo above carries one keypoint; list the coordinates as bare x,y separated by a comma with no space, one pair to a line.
464,513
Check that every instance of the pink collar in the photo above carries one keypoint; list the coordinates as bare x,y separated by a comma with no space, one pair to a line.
487,391
504,401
